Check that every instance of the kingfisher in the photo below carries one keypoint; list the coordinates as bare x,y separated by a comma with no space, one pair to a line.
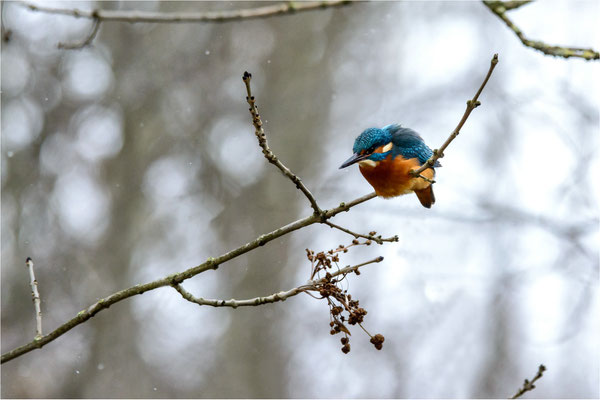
385,157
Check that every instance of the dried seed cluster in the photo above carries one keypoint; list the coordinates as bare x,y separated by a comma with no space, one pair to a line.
343,309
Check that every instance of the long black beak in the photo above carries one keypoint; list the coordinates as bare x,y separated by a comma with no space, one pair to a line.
354,159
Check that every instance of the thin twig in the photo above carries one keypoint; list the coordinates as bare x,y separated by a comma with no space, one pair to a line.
354,268
37,302
323,260
276,297
88,40
233,303
365,329
471,105
499,8
174,279
376,239
187,17
99,15
424,178
272,158
321,256
529,385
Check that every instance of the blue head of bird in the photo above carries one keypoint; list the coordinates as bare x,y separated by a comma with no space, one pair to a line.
365,145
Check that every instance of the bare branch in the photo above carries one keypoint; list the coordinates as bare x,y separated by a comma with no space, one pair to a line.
499,8
527,385
371,236
256,301
276,297
36,299
354,268
174,279
189,17
471,105
99,15
86,42
272,158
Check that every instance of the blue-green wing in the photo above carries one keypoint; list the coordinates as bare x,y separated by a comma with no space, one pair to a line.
409,144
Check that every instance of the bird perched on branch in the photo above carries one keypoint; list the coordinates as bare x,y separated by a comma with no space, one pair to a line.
386,158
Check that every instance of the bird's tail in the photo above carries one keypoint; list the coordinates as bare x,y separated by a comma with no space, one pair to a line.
426,196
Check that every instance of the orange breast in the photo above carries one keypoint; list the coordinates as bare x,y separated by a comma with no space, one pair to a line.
391,178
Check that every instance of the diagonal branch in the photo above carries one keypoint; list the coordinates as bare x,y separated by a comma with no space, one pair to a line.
529,385
174,279
471,105
187,17
499,8
272,158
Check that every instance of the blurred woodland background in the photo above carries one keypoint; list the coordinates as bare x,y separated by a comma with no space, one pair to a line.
135,157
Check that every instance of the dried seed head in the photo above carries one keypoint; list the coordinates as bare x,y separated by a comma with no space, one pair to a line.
377,341
346,348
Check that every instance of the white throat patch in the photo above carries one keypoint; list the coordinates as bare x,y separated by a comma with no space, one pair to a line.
367,163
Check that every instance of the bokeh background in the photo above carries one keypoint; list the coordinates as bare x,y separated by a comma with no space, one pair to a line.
135,158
